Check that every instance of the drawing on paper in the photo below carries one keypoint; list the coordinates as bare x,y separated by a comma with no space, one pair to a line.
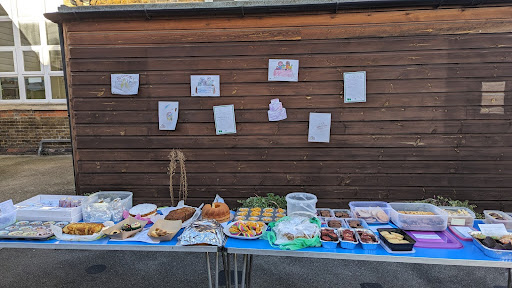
283,70
205,85
167,115
124,84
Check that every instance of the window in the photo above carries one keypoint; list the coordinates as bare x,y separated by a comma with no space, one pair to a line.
30,56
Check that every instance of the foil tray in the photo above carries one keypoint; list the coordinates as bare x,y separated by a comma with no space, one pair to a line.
493,253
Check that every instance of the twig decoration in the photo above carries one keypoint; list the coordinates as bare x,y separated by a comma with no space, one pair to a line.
177,156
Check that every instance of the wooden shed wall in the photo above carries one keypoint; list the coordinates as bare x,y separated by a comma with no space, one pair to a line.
422,132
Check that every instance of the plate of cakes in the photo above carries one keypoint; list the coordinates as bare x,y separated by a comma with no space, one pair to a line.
30,230
245,229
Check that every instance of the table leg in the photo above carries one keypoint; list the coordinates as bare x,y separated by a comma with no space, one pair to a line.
249,271
228,265
236,271
217,271
209,270
244,269
509,284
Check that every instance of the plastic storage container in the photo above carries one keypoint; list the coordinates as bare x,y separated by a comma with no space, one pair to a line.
367,246
436,222
338,213
507,219
332,222
459,216
7,215
301,203
397,247
106,205
46,208
371,211
362,223
348,244
330,244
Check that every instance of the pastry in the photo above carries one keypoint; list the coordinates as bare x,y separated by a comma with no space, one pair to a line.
417,212
242,213
328,235
3,233
11,228
26,228
30,233
83,228
354,224
48,223
280,210
267,219
497,216
182,214
270,210
136,226
267,214
43,232
348,235
158,232
217,211
36,223
334,223
144,210
254,218
115,231
126,227
240,218
243,209
22,223
255,213
16,233
341,214
256,209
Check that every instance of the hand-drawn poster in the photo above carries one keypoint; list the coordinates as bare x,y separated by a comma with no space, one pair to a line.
167,115
283,70
354,86
276,111
124,84
205,85
319,127
224,116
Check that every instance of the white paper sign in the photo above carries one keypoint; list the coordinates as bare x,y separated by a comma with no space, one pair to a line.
283,70
276,112
464,231
7,207
167,115
124,84
205,85
224,119
354,86
493,229
319,127
427,236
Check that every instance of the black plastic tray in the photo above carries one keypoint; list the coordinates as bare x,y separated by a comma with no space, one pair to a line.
397,247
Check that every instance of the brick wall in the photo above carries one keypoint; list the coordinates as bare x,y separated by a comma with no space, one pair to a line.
21,130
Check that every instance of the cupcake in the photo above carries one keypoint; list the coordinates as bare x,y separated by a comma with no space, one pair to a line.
11,228
45,232
242,213
16,233
240,218
267,219
22,223
254,218
255,213
36,223
280,215
136,226
280,210
267,214
257,209
48,223
30,233
268,210
243,209
3,233
26,228
126,227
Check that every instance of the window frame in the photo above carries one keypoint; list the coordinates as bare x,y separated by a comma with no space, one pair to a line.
43,50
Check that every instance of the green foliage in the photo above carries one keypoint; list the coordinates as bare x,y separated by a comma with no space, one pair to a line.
271,200
442,201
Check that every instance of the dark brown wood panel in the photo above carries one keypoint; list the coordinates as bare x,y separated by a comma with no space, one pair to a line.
422,132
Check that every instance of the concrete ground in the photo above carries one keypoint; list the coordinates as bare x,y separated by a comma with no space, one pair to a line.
24,176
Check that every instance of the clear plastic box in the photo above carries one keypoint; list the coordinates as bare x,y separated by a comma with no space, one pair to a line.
456,216
106,206
301,203
7,217
347,211
436,222
46,208
359,207
328,219
491,220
